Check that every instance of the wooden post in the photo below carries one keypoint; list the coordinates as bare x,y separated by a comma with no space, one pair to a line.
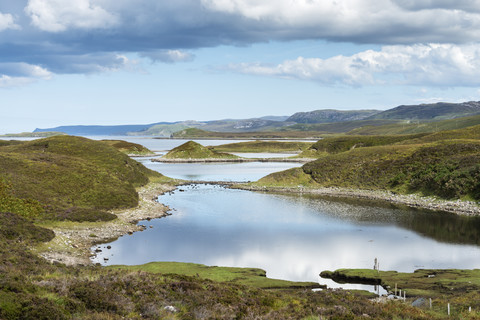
469,309
395,290
430,303
448,309
404,295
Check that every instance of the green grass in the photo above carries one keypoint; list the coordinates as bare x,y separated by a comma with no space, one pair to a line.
128,147
345,143
447,169
65,177
194,133
194,150
246,276
417,127
423,282
263,146
33,134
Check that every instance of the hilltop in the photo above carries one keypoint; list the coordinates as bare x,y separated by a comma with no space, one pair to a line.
65,177
194,150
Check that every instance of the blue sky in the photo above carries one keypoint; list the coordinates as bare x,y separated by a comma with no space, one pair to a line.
67,62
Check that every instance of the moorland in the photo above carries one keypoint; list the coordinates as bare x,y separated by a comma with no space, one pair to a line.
62,182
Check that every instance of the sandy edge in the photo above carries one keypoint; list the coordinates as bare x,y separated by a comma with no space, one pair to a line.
73,241
460,207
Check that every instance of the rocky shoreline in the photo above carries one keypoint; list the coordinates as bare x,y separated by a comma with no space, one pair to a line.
73,241
239,160
460,207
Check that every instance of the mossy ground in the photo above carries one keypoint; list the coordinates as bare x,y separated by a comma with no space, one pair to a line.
246,276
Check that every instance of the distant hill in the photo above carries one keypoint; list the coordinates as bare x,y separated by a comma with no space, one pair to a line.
430,112
98,130
330,115
325,121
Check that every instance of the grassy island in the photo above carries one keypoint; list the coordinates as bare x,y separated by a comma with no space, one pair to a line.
193,150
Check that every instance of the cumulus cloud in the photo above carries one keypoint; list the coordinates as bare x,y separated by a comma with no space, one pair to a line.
19,74
168,56
59,15
86,36
433,64
7,22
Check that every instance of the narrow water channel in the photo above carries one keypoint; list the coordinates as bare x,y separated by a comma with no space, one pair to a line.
296,237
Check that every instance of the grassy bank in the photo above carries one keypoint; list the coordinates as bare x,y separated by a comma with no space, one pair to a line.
253,277
263,146
443,165
31,288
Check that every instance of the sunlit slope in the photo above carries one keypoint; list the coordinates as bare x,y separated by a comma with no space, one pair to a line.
65,177
446,165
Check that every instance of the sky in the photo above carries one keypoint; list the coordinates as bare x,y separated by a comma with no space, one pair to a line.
108,62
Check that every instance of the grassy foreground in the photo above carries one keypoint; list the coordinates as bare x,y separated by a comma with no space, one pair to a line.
253,277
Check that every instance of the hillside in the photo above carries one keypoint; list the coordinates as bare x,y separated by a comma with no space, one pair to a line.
263,146
444,165
330,115
193,133
331,145
430,112
194,150
129,148
65,177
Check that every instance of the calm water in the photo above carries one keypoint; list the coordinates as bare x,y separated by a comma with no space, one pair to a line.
295,237
247,171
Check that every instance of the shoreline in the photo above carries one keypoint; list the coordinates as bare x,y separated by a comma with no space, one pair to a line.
73,241
240,160
460,207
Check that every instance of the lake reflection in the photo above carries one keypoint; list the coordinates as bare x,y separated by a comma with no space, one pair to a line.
291,237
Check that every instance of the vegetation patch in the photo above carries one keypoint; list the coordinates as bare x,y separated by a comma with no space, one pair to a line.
345,143
65,177
129,148
194,150
246,276
194,133
263,146
431,283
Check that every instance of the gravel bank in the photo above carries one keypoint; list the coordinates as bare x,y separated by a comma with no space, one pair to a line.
467,208
73,240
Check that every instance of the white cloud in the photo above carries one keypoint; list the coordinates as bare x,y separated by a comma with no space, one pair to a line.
367,21
7,22
60,15
168,56
21,69
433,65
20,74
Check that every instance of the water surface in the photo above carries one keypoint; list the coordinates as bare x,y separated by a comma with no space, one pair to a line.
295,237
